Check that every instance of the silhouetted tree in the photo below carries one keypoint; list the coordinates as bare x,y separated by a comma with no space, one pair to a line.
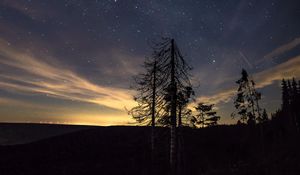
206,116
146,85
289,105
294,103
247,99
277,121
264,117
164,91
149,99
176,81
182,100
284,96
183,113
294,93
298,105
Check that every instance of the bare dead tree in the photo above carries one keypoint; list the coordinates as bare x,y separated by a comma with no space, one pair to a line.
163,91
177,89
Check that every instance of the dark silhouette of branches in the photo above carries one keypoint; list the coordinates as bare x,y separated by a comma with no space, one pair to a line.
164,90
246,101
206,116
288,115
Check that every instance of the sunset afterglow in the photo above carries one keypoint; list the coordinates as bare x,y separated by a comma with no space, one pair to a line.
74,64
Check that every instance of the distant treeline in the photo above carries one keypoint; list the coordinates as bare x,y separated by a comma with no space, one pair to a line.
287,118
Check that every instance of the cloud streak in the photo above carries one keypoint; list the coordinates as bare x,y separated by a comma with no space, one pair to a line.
288,69
32,75
282,49
13,102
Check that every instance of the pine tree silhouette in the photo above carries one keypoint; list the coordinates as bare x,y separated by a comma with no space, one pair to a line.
206,116
298,105
288,114
284,96
294,101
264,117
246,101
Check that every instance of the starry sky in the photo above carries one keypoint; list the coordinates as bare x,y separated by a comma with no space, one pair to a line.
72,61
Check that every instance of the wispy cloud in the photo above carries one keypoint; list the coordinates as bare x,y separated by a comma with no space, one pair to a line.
4,101
282,49
32,75
288,69
223,96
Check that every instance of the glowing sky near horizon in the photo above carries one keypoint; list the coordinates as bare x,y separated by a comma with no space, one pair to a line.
72,61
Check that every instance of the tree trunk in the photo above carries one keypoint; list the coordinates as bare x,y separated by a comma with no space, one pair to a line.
179,116
153,168
153,108
261,129
173,138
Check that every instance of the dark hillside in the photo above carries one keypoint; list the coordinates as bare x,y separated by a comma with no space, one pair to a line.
20,133
126,150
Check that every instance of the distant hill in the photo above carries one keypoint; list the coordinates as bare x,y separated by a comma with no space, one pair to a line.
20,133
126,150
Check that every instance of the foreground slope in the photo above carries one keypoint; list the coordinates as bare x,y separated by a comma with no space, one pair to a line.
21,133
126,150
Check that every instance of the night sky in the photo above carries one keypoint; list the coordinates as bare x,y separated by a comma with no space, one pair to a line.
68,61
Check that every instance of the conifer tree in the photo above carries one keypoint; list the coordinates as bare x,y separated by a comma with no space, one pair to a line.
206,116
246,101
294,102
183,99
294,99
289,105
298,105
264,117
290,93
284,96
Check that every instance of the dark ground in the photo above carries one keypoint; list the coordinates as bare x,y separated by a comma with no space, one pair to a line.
20,133
126,150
